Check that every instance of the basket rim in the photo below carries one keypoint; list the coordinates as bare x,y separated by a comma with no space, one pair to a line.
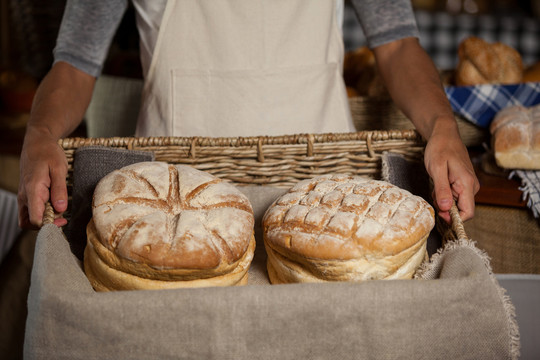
294,139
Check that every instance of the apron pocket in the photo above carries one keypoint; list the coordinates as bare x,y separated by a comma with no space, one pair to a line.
259,102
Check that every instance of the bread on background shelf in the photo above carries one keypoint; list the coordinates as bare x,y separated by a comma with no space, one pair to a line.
361,75
532,73
482,62
515,133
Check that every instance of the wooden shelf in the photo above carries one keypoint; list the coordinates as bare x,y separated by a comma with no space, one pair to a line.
498,189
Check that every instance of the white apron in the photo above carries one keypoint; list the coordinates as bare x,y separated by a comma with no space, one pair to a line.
246,68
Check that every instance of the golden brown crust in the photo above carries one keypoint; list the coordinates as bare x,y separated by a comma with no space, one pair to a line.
144,270
333,227
511,63
358,66
283,269
172,217
481,62
507,115
532,73
157,225
516,137
345,217
104,277
361,75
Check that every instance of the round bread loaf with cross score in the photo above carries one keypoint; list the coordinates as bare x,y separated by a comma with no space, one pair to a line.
158,226
345,228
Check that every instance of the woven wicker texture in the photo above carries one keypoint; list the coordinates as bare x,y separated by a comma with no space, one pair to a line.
280,161
48,215
452,232
457,224
381,113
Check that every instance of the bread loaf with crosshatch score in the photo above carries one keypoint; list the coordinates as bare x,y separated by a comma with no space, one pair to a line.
345,228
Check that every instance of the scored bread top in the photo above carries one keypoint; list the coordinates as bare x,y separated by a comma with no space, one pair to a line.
346,217
172,217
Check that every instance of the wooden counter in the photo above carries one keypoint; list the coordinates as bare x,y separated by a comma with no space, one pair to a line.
497,189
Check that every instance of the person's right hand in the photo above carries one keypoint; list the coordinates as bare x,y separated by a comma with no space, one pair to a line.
58,108
43,170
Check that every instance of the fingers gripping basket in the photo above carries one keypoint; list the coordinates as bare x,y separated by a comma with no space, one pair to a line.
279,161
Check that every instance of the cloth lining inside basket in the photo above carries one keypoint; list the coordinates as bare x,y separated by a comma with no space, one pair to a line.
454,309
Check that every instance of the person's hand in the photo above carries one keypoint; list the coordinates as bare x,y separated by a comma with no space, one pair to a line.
43,169
449,166
402,63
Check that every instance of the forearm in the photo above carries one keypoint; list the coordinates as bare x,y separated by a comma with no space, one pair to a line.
60,102
58,107
414,84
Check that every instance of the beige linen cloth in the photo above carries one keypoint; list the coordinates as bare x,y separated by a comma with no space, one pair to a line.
455,309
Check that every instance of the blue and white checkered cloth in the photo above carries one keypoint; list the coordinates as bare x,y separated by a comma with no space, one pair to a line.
530,185
479,104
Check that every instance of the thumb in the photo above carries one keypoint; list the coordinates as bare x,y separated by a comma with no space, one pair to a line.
442,190
59,190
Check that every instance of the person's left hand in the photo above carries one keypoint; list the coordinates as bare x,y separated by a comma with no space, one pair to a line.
449,166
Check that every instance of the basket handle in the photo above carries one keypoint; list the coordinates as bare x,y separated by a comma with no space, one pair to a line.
48,214
457,223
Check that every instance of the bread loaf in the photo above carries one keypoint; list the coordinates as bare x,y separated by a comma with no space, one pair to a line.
532,73
361,74
481,62
515,136
156,225
345,228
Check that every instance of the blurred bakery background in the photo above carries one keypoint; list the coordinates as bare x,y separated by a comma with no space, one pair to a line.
443,24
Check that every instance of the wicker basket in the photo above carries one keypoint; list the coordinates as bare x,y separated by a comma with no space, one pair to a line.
279,161
381,113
